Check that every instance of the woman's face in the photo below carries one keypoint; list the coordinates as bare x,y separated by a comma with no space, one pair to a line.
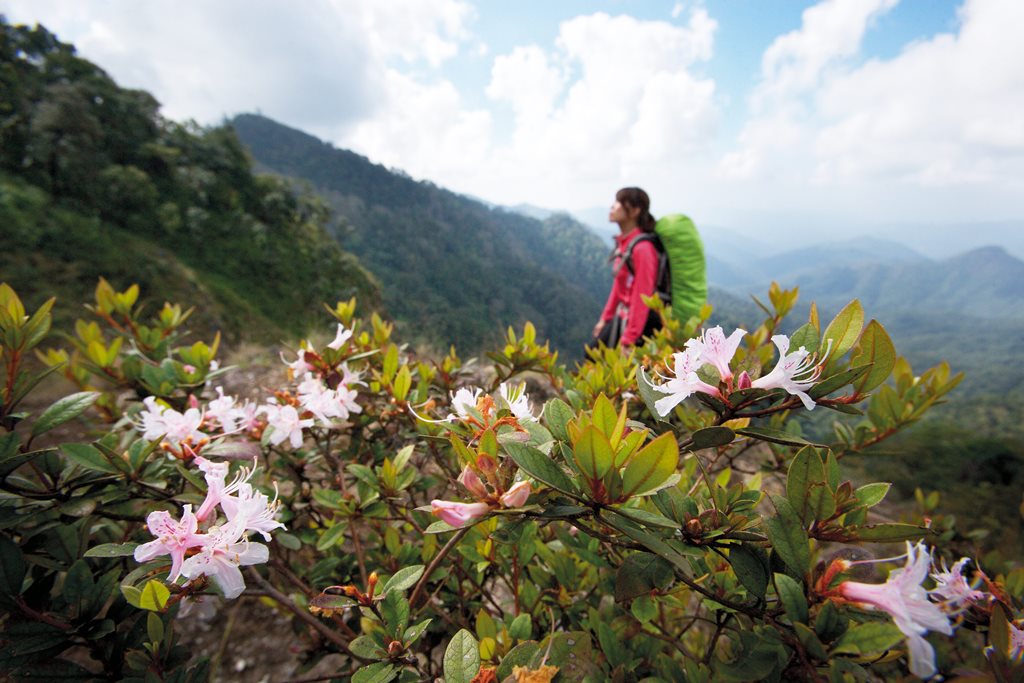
621,213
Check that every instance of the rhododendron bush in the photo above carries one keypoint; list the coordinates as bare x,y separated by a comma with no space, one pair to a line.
654,514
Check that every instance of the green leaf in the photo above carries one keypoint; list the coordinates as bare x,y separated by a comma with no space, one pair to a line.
870,638
367,648
12,567
775,436
461,658
791,595
403,382
651,467
331,537
112,550
557,414
154,628
611,645
395,610
641,573
751,566
403,579
413,633
806,487
154,596
649,519
378,672
829,625
63,410
872,494
521,627
644,609
810,641
844,329
88,457
789,537
520,655
712,437
874,348
838,380
541,467
604,416
593,452
807,337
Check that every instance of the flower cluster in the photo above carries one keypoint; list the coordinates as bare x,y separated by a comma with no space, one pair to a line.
326,393
795,371
488,497
913,609
223,547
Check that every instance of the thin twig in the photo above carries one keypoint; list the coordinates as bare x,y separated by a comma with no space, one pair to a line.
436,561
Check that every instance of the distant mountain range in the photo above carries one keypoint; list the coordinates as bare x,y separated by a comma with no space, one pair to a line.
452,269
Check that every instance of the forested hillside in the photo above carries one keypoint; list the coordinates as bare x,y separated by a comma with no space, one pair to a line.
453,269
93,181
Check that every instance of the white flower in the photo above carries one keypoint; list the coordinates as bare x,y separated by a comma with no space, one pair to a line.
463,401
224,549
952,589
252,510
223,410
299,366
160,421
713,347
340,338
285,422
904,599
517,401
685,382
795,372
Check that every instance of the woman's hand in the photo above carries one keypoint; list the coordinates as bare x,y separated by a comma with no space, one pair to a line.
597,329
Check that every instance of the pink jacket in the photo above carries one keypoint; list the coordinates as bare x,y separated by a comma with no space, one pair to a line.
627,288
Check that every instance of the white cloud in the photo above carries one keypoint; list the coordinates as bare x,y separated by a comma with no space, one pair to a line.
613,100
931,133
315,66
946,111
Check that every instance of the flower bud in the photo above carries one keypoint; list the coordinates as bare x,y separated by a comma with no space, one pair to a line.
516,496
472,483
743,381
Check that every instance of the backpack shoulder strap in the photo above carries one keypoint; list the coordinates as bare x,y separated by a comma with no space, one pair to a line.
627,253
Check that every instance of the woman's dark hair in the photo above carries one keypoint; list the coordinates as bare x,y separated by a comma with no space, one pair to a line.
635,198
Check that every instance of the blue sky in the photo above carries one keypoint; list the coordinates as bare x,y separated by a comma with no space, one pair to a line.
779,118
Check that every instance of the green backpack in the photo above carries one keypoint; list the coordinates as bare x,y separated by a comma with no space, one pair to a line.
682,280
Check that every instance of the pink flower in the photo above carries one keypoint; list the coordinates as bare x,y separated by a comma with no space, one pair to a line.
224,549
903,598
516,496
713,347
223,410
340,338
458,514
285,422
472,482
215,474
795,372
952,589
299,366
685,382
252,509
172,538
